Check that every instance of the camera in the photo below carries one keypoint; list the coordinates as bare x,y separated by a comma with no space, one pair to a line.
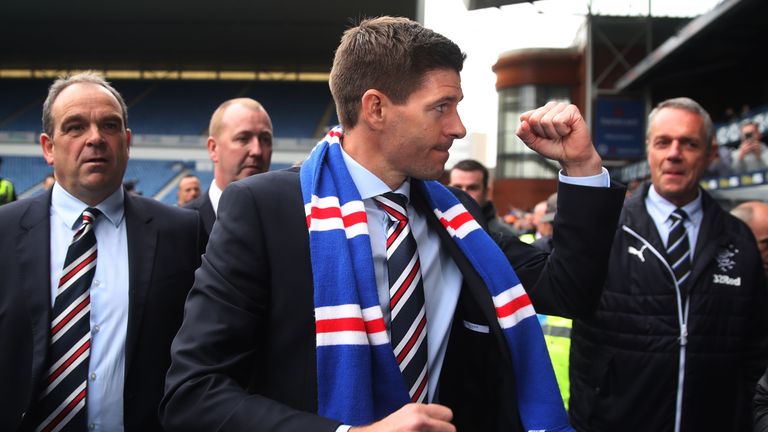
748,136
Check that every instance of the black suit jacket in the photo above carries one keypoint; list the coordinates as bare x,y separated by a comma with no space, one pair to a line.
204,206
163,253
244,358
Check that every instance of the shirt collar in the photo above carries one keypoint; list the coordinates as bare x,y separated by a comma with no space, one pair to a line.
661,208
367,183
214,193
70,208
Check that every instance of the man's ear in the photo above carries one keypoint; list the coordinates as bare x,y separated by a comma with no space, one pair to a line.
212,149
373,109
47,144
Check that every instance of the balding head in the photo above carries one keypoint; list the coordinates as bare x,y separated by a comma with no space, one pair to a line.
755,215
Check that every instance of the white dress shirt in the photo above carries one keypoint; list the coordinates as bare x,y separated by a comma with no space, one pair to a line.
109,300
660,209
214,193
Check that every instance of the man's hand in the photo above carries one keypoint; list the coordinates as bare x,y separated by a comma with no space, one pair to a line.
414,417
557,131
747,147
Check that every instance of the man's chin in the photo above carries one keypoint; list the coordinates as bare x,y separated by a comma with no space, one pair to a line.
249,172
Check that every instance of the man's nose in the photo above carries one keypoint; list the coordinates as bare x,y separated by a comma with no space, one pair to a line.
456,128
94,136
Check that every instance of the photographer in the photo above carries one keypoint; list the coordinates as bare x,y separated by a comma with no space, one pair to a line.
752,154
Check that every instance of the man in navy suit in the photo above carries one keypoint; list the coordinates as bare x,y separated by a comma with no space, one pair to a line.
245,356
147,253
239,145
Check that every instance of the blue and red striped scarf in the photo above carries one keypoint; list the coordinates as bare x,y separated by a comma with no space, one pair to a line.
358,380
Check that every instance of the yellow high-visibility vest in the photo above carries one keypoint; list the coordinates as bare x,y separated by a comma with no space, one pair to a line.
6,191
557,334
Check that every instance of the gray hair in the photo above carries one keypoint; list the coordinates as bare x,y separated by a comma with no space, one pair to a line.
685,104
65,81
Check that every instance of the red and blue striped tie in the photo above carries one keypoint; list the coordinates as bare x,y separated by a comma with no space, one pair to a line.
62,401
408,325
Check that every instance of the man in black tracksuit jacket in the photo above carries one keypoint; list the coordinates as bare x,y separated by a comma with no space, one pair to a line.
653,356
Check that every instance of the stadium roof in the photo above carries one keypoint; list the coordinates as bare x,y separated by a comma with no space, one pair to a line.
221,35
718,59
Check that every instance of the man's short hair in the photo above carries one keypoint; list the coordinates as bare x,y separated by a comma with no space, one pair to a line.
473,165
214,127
685,104
64,81
389,54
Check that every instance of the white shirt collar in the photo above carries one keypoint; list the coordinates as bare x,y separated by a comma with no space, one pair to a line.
660,208
367,183
214,193
70,208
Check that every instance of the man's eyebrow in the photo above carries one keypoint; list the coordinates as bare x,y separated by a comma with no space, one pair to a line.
72,118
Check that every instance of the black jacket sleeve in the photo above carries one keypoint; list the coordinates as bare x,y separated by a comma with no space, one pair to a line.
225,330
568,282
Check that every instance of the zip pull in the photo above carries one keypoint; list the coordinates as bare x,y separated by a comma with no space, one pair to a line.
683,334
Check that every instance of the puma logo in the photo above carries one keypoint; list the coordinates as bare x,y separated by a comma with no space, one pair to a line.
639,253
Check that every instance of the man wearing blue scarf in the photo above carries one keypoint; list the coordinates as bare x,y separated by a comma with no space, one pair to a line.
294,322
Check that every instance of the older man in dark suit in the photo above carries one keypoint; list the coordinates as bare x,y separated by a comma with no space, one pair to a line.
93,278
296,329
239,145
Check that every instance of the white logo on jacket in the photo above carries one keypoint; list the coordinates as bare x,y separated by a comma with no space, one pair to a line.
725,259
726,280
639,253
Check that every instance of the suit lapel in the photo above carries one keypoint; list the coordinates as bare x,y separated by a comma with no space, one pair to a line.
472,281
142,240
207,215
33,249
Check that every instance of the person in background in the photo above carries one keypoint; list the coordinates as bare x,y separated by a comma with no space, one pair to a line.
48,181
755,215
544,227
7,190
189,189
471,176
752,153
239,145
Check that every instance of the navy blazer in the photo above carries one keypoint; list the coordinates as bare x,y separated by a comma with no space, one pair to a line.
164,245
244,358
203,205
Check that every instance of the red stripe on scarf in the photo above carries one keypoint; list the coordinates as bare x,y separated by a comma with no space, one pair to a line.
457,221
350,324
335,212
513,306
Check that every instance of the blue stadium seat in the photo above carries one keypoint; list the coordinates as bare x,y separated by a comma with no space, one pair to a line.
24,171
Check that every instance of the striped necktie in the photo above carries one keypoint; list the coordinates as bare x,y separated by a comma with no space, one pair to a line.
406,291
62,402
678,248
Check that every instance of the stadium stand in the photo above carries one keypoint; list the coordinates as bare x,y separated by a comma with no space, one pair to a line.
167,114
25,172
151,176
184,107
20,106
